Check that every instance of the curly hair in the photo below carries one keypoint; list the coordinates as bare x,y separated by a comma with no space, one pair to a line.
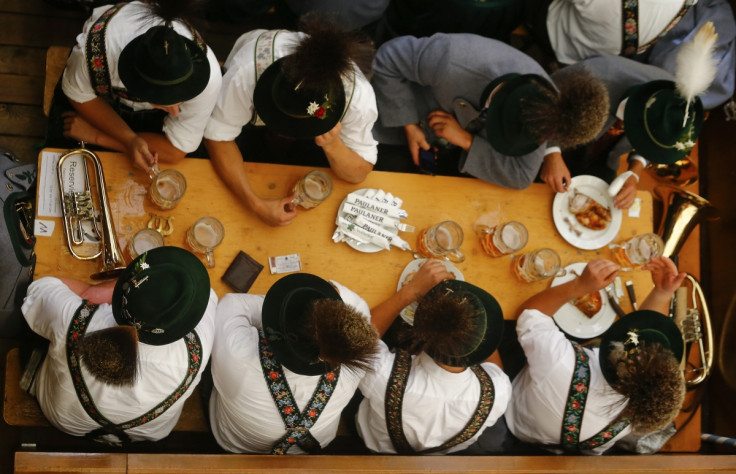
327,52
445,323
651,379
574,115
341,335
111,355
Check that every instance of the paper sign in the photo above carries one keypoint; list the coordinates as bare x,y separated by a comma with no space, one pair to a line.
43,228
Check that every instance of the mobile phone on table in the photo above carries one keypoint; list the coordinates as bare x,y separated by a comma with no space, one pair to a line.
428,160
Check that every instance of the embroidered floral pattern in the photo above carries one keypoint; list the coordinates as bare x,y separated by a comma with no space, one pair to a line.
297,423
77,328
630,25
394,400
572,419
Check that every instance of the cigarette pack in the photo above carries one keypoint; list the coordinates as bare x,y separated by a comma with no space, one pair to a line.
285,263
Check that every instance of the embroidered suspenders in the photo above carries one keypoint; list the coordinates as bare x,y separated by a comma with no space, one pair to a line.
572,419
394,399
630,27
264,57
297,423
96,54
77,328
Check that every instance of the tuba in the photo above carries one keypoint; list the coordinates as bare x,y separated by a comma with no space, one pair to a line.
89,233
682,212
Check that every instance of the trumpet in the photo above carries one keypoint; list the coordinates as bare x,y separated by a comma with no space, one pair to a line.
80,217
683,211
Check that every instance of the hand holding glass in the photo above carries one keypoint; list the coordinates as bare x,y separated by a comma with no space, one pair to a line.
311,189
167,187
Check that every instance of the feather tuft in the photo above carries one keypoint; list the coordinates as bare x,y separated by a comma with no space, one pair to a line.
696,66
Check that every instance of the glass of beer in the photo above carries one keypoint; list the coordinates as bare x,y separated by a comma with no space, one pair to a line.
442,240
638,250
502,239
538,265
312,188
204,236
143,241
167,188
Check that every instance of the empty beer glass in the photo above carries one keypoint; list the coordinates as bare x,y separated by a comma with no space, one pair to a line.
502,239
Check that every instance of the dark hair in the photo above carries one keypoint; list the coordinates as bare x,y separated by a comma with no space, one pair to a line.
573,116
445,323
111,354
651,379
327,52
341,335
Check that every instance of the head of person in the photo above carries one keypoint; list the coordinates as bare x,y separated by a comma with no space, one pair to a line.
457,324
163,67
301,95
660,124
311,330
527,110
640,359
158,299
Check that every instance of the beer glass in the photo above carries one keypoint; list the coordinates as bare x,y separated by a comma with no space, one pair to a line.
204,236
638,250
538,265
502,239
167,188
312,188
143,241
442,240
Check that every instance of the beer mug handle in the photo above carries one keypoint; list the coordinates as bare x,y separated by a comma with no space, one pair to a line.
209,257
561,272
456,256
154,172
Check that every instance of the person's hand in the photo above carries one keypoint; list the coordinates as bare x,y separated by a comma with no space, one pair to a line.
100,293
416,139
275,212
327,139
665,275
428,275
78,128
137,150
598,274
555,173
446,126
625,197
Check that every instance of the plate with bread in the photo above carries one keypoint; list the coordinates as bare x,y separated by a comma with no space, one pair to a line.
585,215
588,316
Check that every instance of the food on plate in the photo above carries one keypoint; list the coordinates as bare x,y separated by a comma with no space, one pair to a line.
589,304
589,212
408,278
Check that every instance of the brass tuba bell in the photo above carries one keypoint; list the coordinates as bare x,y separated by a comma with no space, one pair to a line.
86,214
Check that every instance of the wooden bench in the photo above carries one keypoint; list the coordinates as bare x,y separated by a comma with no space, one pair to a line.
55,63
22,409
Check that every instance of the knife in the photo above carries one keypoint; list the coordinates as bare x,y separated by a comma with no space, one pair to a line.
614,304
632,294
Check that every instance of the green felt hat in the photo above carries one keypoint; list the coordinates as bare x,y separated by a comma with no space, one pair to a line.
488,323
505,127
286,309
163,68
647,326
163,294
290,109
655,124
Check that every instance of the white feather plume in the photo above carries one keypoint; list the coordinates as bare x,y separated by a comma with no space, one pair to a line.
696,66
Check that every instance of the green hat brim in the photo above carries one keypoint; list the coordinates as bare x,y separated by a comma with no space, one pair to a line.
639,132
492,332
284,124
143,89
656,327
174,296
286,307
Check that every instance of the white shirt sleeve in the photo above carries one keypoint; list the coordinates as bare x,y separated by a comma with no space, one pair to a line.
48,306
544,344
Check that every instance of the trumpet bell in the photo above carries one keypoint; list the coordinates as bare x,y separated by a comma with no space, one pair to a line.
683,211
86,215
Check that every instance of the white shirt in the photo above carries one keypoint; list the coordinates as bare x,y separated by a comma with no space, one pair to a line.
235,105
437,403
243,415
184,131
541,388
581,28
49,308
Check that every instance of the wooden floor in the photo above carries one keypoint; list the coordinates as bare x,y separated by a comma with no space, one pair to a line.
29,27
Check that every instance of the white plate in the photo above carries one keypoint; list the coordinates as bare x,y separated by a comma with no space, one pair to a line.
588,239
572,320
407,314
360,246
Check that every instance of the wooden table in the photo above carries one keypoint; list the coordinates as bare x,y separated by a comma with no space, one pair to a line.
427,199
